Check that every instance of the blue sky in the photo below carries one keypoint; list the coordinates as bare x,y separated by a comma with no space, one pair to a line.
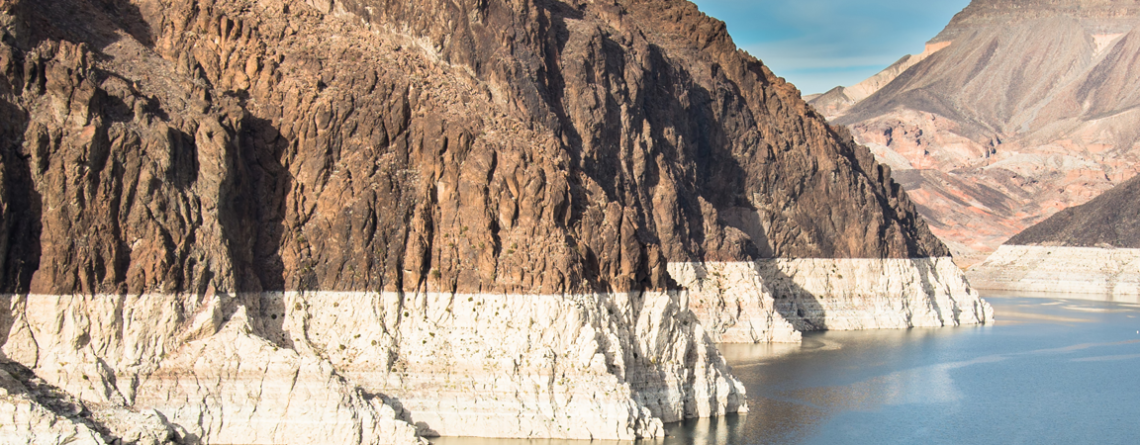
819,44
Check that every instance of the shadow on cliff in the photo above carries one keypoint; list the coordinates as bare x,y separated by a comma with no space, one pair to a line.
21,206
95,22
720,179
798,306
926,269
256,223
60,403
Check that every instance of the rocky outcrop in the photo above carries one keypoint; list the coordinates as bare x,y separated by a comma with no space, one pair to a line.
733,303
248,215
1088,249
853,294
35,412
197,365
575,152
1031,110
338,367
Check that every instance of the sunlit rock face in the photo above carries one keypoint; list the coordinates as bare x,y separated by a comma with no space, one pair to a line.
358,221
775,300
1030,109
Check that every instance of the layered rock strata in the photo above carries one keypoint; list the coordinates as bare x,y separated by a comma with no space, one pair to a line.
211,209
1061,270
775,300
1090,249
1030,110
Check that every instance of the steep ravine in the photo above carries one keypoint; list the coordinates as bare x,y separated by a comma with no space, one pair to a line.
364,221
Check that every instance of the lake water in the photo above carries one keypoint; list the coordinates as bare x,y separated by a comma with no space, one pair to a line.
1049,371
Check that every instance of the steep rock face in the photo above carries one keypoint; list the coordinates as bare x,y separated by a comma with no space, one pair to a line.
188,185
774,300
734,303
819,294
1030,110
34,412
532,147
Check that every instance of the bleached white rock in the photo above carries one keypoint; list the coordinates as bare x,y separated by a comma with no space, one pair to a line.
762,301
1061,270
33,412
601,366
733,303
235,387
326,367
23,421
350,368
852,294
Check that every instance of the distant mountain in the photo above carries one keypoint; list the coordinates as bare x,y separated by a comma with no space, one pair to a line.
1110,220
1088,249
838,100
1026,108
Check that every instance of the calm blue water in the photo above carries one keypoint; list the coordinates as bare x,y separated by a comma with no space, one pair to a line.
1049,372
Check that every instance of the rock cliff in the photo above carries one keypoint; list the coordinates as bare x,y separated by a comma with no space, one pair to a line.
401,219
1029,110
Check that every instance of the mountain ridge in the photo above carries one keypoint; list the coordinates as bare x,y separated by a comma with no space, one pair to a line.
1030,110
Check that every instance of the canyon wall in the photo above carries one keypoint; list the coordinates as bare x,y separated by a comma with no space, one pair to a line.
369,221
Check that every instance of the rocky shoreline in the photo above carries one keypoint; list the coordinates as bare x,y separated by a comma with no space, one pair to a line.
775,300
1113,272
409,365
313,365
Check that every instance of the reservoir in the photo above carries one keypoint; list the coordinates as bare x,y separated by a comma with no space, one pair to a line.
1049,371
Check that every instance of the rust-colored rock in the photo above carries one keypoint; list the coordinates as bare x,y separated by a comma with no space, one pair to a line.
531,146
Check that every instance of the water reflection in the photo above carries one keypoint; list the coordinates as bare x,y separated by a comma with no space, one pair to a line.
727,430
1100,297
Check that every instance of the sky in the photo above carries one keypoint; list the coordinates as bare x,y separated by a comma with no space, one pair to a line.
820,44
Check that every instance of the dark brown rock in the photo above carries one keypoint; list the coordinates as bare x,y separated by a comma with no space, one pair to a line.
1109,220
522,146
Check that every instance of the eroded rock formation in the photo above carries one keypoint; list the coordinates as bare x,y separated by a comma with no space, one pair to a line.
1030,110
381,214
